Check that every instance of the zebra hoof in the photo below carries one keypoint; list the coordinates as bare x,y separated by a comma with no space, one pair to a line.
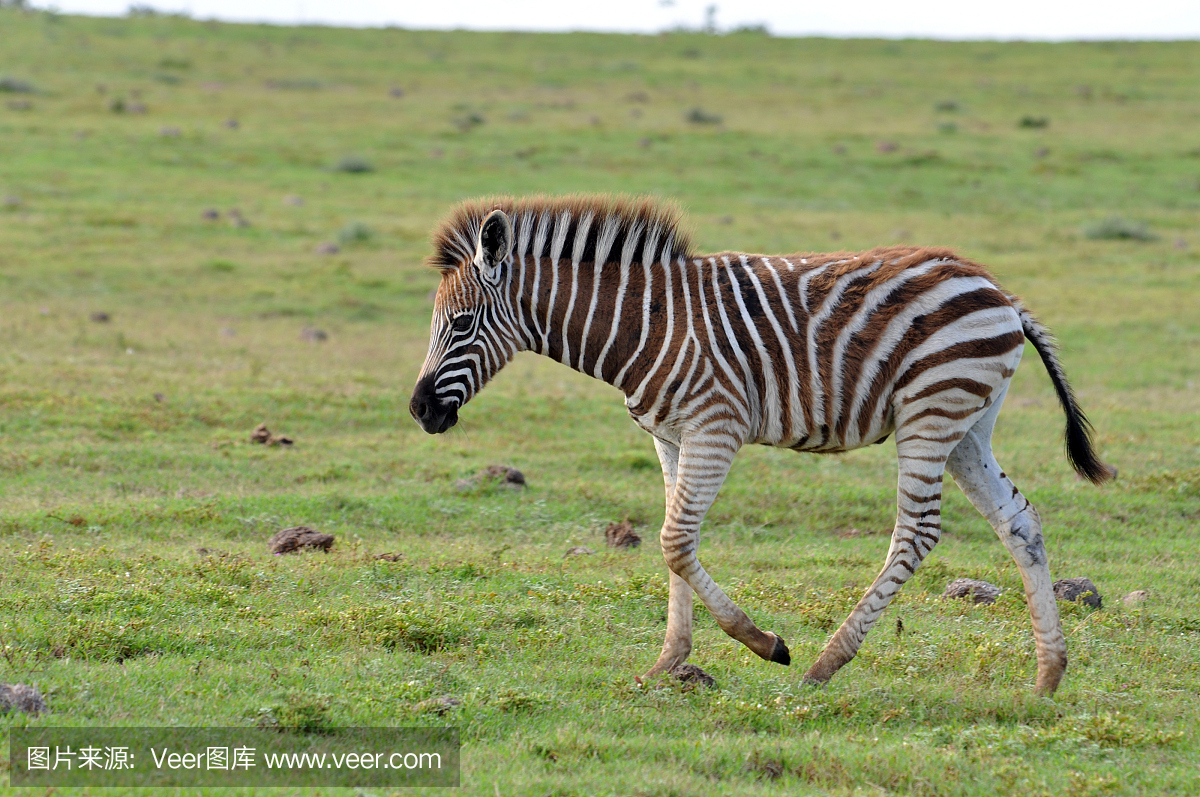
781,654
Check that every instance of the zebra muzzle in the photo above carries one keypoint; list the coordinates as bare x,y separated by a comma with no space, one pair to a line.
433,416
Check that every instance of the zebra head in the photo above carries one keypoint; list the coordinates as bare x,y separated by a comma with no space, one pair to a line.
472,335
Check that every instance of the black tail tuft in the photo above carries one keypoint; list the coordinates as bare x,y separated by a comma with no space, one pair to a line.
1080,452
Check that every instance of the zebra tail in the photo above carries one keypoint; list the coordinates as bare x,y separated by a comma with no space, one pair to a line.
1080,452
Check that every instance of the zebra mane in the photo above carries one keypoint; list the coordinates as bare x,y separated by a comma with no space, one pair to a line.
583,227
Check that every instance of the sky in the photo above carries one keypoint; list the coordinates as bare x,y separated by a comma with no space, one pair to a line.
943,19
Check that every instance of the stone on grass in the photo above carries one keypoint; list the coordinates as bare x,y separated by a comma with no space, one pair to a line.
327,248
974,589
1078,589
21,697
297,538
692,676
100,317
621,535
579,550
1136,597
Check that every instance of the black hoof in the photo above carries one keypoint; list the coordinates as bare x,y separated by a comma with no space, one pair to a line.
781,655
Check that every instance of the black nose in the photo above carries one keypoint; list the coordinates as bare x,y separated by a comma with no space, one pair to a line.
433,416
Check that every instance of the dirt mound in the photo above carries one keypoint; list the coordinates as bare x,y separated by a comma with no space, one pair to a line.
692,676
1078,589
621,535
298,537
263,436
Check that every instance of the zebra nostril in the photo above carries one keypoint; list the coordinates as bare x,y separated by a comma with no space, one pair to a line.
422,410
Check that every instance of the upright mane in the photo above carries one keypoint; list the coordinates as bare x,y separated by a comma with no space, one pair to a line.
613,224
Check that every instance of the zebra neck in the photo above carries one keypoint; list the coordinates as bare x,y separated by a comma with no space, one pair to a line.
598,319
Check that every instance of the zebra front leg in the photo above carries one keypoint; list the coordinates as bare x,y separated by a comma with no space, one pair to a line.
917,530
678,643
703,465
1018,526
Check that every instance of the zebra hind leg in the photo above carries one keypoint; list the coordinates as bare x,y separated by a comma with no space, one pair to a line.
1018,526
918,527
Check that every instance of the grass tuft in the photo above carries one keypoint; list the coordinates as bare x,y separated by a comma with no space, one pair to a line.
11,85
353,164
1118,228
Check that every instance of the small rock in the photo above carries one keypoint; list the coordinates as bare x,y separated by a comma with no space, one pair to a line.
170,132
160,398
231,124
297,537
692,676
886,146
228,332
1180,243
396,91
210,214
327,248
621,535
977,591
100,317
439,705
388,557
466,485
293,200
237,219
21,697
511,476
136,107
313,335
579,550
1136,597
1077,589
1041,152
11,202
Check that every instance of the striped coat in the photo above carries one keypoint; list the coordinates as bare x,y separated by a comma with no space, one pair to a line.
814,352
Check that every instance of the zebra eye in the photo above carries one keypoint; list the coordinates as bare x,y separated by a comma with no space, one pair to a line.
461,323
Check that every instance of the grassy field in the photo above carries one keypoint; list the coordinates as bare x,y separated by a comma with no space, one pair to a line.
135,584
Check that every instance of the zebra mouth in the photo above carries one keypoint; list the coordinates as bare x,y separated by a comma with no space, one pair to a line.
433,416
447,420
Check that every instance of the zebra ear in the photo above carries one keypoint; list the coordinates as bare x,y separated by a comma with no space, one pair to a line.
494,244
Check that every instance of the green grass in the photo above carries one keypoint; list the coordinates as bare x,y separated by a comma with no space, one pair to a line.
124,445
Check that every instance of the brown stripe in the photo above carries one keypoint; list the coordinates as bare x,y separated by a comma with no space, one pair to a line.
921,329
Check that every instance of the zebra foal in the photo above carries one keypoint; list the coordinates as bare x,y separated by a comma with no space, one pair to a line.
819,352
